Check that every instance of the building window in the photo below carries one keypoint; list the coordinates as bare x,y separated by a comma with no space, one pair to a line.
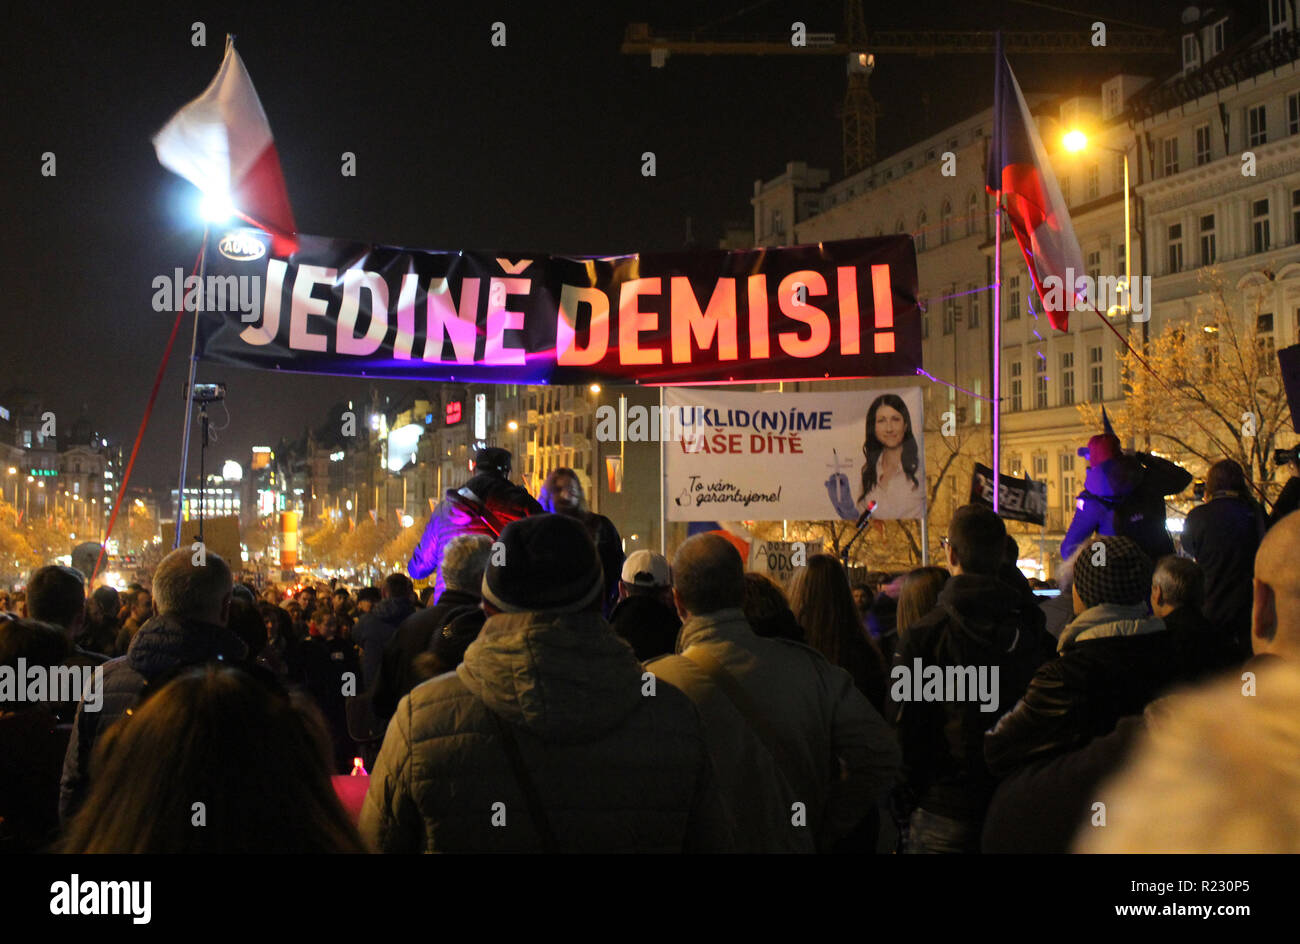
1067,482
1119,172
1119,259
778,225
1094,266
1293,114
972,214
950,311
1217,37
1096,376
945,222
1278,15
1295,215
920,231
1112,100
1176,247
900,226
1170,149
1257,130
979,402
1202,145
974,296
1017,402
1015,464
1040,383
1208,253
1190,57
1094,182
1259,225
1040,468
1264,340
1013,298
1067,378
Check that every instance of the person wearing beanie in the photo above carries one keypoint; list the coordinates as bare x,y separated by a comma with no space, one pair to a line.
1112,659
562,494
545,738
484,505
1124,494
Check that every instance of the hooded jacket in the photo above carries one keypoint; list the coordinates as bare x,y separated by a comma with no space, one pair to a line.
164,644
838,754
1126,496
483,505
414,635
615,770
373,632
1112,660
979,622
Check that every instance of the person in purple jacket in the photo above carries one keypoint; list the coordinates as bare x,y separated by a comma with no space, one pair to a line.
484,505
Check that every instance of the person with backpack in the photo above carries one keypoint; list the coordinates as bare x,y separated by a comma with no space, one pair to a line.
484,505
1124,495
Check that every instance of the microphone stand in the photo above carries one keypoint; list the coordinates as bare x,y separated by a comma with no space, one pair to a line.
844,554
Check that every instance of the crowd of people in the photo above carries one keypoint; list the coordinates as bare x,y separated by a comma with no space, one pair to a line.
547,693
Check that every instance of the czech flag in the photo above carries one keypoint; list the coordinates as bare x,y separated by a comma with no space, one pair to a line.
221,142
1018,167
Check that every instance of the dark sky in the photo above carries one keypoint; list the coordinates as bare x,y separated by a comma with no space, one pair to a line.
459,145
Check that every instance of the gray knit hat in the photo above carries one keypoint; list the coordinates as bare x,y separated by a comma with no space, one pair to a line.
1115,572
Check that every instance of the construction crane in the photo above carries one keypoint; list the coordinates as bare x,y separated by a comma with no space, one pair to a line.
858,113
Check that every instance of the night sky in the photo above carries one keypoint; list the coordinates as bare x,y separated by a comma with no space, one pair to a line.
459,144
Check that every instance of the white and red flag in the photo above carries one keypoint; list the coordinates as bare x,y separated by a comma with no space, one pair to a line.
1019,168
221,142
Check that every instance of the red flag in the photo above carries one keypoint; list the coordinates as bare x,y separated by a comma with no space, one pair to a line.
1018,166
221,142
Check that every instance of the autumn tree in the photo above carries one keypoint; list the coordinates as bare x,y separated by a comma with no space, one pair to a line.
1222,396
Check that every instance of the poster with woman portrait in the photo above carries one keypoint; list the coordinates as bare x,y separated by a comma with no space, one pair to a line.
749,456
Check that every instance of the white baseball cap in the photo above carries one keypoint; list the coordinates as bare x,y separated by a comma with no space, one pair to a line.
647,569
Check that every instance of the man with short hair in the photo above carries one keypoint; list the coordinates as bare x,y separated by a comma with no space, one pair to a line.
1177,595
780,718
463,564
190,629
982,624
1275,613
549,719
367,599
646,615
483,505
1222,535
372,631
57,595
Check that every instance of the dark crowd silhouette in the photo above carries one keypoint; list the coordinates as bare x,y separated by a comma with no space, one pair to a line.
549,694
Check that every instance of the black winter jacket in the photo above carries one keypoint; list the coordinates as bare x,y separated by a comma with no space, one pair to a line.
980,622
163,645
1113,660
413,636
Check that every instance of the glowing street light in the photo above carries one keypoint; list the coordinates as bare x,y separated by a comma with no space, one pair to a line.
1075,141
216,207
512,426
594,388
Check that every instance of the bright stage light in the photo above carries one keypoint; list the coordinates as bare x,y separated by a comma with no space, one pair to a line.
1075,141
216,207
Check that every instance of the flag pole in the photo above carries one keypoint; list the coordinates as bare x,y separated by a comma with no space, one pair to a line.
997,348
189,389
996,152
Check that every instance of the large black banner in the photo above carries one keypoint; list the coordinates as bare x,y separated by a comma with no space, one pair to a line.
1018,499
833,310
